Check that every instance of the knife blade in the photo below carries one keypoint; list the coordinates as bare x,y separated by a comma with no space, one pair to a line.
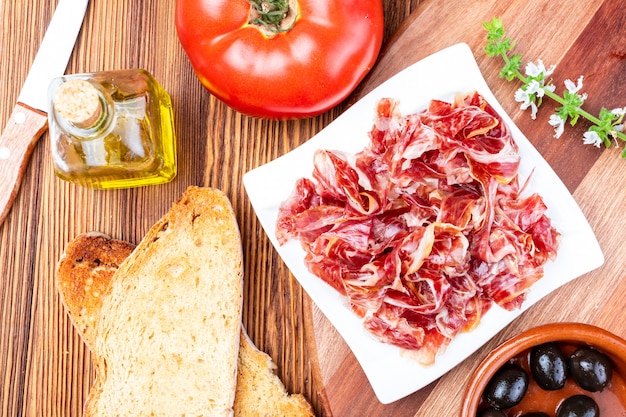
29,119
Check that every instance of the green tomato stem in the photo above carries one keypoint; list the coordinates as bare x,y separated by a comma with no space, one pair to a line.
270,13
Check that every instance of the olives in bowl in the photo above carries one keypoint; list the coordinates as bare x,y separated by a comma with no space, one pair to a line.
507,387
554,370
548,365
590,368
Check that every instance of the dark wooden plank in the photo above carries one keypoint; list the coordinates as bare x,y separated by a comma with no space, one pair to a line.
595,54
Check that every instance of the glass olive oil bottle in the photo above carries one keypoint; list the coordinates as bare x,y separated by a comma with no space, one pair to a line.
111,129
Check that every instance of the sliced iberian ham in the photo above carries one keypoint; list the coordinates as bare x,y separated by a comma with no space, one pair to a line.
424,229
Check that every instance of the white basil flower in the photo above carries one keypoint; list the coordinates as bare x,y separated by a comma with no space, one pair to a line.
619,111
534,70
558,123
592,138
573,88
522,96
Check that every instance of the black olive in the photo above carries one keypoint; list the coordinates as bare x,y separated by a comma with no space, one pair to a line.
591,369
507,387
578,406
548,366
491,412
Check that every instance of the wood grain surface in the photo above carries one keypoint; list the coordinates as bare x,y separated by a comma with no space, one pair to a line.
582,38
45,369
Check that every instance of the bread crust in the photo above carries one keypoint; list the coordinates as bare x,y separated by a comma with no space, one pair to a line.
84,275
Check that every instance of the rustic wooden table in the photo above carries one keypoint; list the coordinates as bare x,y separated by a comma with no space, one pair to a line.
45,369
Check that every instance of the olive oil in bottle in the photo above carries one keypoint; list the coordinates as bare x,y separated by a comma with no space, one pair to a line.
111,129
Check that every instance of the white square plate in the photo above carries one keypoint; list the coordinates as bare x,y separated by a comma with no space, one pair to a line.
439,76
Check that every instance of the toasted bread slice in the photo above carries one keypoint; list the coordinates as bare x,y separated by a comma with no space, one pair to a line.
83,278
165,340
260,392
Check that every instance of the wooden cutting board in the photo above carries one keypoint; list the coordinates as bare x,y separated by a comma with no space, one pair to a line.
579,36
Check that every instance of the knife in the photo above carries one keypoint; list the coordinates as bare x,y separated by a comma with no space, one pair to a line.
29,119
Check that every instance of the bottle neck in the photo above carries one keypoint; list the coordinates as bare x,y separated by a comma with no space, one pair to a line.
84,109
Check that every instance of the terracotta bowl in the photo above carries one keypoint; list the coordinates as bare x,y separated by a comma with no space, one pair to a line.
576,334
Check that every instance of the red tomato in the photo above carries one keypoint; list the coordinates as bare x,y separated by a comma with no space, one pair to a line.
302,71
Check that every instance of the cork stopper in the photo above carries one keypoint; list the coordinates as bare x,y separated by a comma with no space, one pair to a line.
78,102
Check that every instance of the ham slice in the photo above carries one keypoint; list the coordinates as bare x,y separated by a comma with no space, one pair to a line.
426,228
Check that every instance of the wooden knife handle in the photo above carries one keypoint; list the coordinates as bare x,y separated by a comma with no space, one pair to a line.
17,142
